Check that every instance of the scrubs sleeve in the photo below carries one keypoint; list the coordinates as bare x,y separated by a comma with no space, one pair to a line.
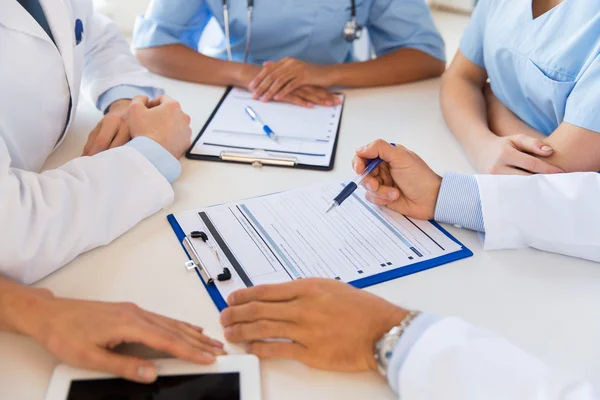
471,44
171,22
396,24
584,102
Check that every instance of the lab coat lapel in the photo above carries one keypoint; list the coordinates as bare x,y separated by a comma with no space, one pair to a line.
15,17
58,14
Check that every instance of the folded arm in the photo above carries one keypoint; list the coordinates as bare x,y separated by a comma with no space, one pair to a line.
576,149
50,218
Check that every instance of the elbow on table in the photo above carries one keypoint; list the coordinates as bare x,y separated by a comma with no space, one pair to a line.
437,68
152,58
428,67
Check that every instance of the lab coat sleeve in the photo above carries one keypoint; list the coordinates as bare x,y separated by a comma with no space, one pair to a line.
555,213
109,62
49,218
454,360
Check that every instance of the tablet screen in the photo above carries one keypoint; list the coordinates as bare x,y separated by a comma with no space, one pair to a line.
219,386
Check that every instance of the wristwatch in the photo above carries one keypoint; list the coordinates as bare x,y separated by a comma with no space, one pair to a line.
387,344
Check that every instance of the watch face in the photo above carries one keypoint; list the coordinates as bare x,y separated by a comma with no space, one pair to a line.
385,349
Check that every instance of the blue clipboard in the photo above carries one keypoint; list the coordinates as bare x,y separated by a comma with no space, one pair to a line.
464,252
211,289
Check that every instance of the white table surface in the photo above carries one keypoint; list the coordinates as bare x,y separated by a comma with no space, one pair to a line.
547,304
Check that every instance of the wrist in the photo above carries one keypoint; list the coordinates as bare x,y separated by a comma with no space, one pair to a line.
23,309
330,75
389,319
120,105
243,74
387,345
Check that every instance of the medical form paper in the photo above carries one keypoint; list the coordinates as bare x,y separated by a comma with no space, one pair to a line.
286,236
306,134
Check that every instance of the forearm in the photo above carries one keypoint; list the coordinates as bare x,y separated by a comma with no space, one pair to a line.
575,149
464,110
397,67
181,62
455,360
503,122
17,303
506,123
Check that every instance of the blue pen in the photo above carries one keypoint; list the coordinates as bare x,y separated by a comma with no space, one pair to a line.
352,186
254,116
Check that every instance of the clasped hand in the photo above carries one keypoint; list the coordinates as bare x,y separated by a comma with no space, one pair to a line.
160,119
293,81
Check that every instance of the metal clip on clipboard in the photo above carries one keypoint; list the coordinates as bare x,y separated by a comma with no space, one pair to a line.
258,158
196,264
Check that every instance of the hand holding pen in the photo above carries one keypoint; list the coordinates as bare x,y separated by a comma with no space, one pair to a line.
401,181
352,186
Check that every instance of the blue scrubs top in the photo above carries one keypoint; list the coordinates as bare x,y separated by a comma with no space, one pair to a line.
310,30
546,70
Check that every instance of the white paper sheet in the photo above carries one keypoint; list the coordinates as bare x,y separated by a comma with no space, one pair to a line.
307,134
286,236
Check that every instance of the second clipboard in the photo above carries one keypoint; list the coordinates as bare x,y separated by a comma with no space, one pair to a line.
307,138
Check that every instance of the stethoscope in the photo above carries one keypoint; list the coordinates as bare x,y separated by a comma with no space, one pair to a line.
352,30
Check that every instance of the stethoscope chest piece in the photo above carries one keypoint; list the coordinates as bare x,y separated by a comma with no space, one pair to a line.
352,30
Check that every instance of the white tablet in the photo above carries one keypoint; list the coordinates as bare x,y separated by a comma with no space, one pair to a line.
230,378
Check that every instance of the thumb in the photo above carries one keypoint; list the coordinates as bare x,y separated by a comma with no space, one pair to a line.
138,103
382,149
131,368
531,145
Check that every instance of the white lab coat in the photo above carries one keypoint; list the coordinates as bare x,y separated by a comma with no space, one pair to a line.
453,360
47,219
556,213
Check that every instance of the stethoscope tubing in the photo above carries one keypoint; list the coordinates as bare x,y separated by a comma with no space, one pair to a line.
250,10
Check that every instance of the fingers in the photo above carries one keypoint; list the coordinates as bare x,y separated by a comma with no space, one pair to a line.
170,341
280,292
192,334
128,367
384,193
291,86
377,200
371,183
297,100
318,96
277,350
91,139
532,164
265,83
122,137
110,126
382,149
265,70
279,82
254,311
261,330
161,100
140,101
385,175
531,145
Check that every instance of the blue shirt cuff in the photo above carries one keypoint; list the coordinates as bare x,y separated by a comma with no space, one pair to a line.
162,160
411,335
459,202
124,92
